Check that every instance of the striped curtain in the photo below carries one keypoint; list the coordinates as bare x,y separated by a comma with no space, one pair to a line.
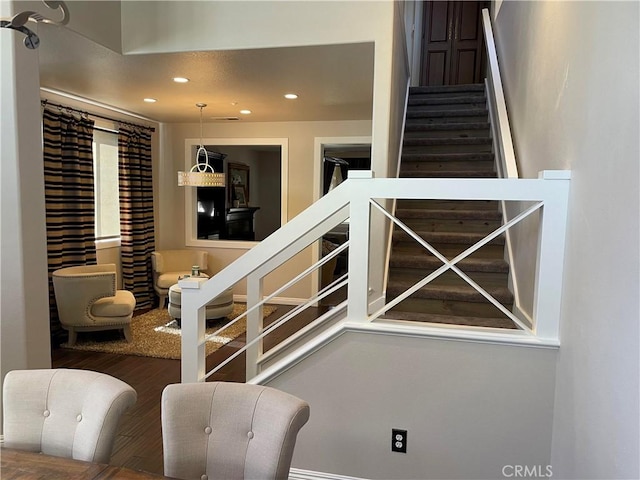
136,213
69,198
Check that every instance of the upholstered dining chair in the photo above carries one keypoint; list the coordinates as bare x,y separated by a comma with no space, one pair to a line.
64,412
170,265
223,430
88,300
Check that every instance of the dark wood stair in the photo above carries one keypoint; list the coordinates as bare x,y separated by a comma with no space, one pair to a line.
447,135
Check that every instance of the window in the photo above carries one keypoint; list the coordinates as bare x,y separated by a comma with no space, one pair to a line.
105,178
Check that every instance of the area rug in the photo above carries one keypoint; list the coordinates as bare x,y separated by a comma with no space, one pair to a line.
155,334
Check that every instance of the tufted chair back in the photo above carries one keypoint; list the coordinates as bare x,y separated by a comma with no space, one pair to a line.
64,412
220,430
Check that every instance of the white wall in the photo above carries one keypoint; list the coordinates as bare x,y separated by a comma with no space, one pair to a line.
98,20
469,408
571,73
24,311
175,26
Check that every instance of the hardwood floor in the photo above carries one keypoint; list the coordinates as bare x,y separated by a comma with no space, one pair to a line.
139,442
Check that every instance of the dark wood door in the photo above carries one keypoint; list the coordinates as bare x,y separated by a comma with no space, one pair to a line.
453,51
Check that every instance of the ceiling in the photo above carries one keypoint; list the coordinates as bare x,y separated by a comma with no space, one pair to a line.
333,82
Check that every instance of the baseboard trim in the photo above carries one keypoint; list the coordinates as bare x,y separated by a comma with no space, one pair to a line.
299,474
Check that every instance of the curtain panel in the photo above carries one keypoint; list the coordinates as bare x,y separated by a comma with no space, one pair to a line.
136,213
69,197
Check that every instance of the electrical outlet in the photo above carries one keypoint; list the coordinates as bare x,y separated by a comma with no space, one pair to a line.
398,440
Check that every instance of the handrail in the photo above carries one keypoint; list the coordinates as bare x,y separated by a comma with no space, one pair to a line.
502,146
357,197
307,227
500,129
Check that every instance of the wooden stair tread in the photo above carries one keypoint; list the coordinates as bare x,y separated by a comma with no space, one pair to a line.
426,142
472,87
403,213
449,174
423,126
427,168
439,100
446,157
447,237
409,276
488,252
464,293
458,112
428,261
449,204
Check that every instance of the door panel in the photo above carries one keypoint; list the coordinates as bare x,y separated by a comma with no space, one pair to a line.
439,21
468,19
437,67
453,43
465,67
437,44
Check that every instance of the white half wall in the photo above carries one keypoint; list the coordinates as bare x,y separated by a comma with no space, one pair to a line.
470,409
571,74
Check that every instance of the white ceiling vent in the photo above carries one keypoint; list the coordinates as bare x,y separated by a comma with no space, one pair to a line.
224,119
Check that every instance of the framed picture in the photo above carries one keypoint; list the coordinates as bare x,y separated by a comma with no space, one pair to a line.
237,176
240,195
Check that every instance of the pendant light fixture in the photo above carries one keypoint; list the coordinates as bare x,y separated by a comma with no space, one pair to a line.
201,174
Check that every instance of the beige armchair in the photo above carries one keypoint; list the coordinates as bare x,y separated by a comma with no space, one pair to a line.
64,412
229,431
88,300
169,265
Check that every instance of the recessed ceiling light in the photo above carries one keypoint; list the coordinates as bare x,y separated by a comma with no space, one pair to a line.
291,96
150,100
180,79
245,112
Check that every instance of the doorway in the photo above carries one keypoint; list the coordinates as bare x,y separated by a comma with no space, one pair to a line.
334,157
453,50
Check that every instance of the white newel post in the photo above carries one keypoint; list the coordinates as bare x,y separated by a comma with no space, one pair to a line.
359,223
193,323
551,246
254,324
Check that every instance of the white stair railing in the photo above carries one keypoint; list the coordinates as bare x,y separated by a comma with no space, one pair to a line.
497,105
357,198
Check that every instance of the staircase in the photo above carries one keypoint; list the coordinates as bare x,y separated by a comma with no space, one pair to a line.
447,135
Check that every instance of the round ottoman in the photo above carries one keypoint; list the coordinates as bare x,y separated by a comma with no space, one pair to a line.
221,306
